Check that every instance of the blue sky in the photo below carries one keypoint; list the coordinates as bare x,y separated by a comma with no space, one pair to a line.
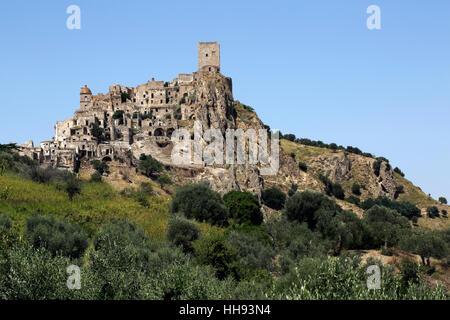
311,68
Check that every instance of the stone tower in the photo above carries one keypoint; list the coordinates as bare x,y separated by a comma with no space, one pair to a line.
209,56
85,97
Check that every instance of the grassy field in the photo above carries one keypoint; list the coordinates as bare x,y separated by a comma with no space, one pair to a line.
302,152
97,203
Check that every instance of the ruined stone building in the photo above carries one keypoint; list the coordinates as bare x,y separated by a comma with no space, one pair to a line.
127,121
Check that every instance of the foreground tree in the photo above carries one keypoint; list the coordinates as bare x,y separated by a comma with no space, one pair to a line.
273,198
244,208
149,165
199,202
386,226
182,232
426,245
72,187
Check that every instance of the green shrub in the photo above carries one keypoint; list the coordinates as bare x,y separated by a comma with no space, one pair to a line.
118,114
124,261
243,207
34,274
149,165
386,226
410,271
253,252
182,232
96,177
57,236
442,200
307,206
100,166
5,224
433,212
146,188
303,166
399,190
356,189
124,96
354,200
199,202
377,167
293,189
273,198
72,187
332,189
397,170
426,244
405,208
97,132
48,175
310,280
214,250
163,180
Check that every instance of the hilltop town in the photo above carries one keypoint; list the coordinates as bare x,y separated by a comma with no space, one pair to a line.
120,126
127,121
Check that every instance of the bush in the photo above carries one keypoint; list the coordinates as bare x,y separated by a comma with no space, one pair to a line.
30,274
57,236
356,189
214,250
124,96
182,232
310,280
72,187
303,166
405,208
100,166
96,177
198,201
386,226
399,190
124,261
243,207
444,213
377,167
289,136
49,174
252,251
307,206
354,200
5,224
149,165
397,170
97,132
163,180
433,212
426,244
146,188
332,189
118,114
410,272
273,198
293,189
442,200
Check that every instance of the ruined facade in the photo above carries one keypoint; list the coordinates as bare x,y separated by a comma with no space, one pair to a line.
109,126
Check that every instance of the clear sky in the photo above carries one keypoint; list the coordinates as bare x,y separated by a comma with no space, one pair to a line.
311,68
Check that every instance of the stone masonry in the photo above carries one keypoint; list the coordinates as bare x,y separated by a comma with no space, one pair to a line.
106,126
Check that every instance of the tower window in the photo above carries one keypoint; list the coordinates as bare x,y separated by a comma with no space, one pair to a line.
206,54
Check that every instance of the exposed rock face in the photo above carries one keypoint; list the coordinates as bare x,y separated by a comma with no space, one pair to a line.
212,102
